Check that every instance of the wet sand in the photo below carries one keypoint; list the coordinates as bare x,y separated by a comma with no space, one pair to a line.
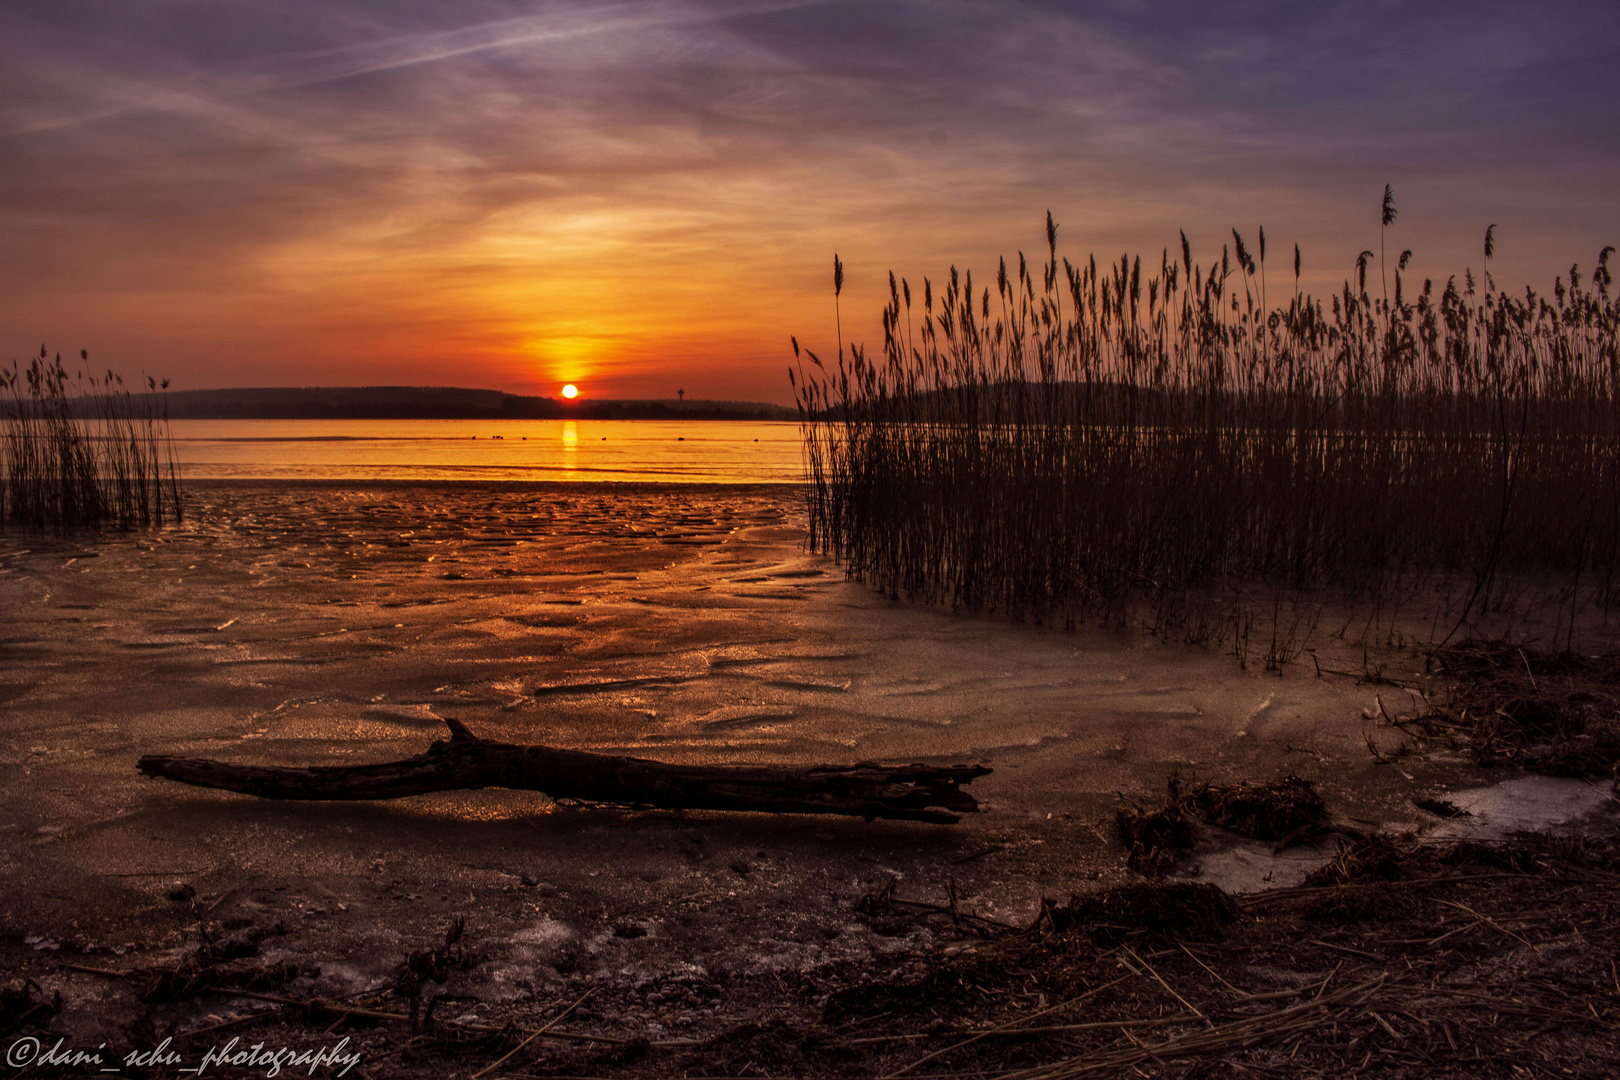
302,624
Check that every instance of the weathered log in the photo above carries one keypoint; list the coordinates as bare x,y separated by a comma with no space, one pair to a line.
466,762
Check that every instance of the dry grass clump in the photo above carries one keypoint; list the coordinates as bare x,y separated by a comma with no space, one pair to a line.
1283,810
79,452
23,1001
1155,838
1401,961
1550,712
1183,910
1122,441
1378,857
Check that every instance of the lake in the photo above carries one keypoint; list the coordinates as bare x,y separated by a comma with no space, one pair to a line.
681,451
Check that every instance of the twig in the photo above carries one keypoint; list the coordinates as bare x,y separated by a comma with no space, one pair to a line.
1003,1027
239,1021
1157,977
1209,969
1385,1024
1610,793
1273,895
1096,1025
313,1004
1370,678
156,873
1232,1036
991,850
1483,918
320,1004
1528,672
944,909
1374,957
550,1024
111,973
226,895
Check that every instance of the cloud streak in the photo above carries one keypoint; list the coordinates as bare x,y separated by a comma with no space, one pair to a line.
330,65
369,191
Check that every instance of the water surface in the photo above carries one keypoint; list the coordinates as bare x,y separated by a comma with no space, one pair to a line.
670,451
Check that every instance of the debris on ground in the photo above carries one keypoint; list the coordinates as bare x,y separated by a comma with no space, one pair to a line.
1169,911
1556,713
1287,811
1282,810
1155,838
23,1002
1398,959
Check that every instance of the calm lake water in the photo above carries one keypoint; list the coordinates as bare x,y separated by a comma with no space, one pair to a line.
685,451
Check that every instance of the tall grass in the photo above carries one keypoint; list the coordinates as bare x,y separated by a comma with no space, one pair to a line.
1162,443
80,452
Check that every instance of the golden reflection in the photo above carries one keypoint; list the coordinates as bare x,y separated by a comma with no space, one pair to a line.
570,441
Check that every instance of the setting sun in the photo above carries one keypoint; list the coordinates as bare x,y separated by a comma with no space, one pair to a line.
570,391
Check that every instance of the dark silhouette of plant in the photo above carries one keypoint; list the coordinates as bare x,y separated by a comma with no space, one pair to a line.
1119,441
81,452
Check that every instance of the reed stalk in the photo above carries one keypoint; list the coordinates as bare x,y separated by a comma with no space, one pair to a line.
77,452
1137,443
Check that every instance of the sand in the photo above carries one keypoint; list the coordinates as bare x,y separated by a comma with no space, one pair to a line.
299,624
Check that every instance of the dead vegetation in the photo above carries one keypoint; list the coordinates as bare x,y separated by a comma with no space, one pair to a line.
80,452
23,1004
1556,713
221,963
1287,811
432,965
1166,445
1396,959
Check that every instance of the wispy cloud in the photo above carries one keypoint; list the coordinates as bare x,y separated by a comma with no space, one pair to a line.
328,65
389,52
319,191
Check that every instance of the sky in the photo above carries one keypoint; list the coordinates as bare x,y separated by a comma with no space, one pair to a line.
646,197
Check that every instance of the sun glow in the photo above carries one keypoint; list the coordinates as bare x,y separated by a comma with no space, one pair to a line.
570,391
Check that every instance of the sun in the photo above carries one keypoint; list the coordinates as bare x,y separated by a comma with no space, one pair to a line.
570,391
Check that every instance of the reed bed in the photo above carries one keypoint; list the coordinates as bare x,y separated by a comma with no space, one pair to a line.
83,453
1167,445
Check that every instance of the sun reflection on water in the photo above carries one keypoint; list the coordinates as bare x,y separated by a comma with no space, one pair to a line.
570,442
617,450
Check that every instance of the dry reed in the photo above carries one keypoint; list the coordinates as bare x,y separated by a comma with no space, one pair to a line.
1126,443
78,452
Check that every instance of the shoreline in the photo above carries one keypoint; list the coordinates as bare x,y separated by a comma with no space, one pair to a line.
361,483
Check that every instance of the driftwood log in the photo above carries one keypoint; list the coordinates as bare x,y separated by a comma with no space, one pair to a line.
466,762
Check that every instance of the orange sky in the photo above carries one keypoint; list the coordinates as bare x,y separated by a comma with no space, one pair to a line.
645,197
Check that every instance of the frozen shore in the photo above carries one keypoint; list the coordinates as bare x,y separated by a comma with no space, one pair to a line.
338,623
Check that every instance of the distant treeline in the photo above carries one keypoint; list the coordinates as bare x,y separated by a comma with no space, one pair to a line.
437,403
